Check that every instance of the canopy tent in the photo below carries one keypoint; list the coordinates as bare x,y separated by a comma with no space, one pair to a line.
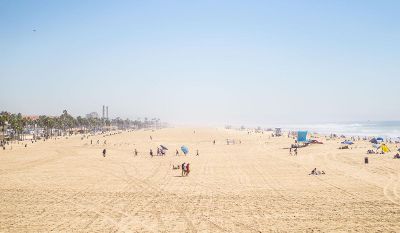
185,150
301,136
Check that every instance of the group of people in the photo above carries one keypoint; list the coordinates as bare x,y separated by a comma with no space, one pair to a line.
316,172
3,144
374,152
160,152
231,141
185,169
177,153
294,150
98,142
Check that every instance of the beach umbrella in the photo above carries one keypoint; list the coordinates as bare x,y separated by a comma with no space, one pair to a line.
373,140
163,147
379,139
184,149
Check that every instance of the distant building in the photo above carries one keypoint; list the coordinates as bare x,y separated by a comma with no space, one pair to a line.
92,115
31,117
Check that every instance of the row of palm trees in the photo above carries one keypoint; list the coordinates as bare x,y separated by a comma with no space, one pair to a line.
65,123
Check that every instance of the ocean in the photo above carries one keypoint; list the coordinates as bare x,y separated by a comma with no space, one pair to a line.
386,129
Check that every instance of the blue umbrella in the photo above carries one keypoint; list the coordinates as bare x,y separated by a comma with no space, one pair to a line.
379,139
184,149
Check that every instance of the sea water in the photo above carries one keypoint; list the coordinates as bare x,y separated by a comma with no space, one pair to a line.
386,129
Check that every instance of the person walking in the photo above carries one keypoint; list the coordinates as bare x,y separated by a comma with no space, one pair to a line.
136,152
197,152
104,153
177,153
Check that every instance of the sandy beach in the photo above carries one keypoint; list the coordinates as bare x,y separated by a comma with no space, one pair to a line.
66,185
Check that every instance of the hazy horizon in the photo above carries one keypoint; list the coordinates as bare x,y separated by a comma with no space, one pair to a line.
203,63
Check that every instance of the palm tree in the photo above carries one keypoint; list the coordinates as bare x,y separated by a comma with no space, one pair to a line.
49,123
16,124
4,119
25,121
81,122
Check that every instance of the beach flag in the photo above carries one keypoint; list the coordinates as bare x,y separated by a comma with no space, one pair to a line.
301,136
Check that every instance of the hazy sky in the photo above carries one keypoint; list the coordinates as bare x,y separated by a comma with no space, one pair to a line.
206,62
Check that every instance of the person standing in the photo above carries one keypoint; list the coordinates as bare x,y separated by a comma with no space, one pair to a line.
136,152
187,169
197,152
183,168
176,153
104,153
151,153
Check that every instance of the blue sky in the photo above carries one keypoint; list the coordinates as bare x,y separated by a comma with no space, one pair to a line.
204,62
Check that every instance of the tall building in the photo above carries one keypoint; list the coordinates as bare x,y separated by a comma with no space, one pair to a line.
102,116
107,112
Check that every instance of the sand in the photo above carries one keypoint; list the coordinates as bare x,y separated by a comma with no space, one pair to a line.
68,186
